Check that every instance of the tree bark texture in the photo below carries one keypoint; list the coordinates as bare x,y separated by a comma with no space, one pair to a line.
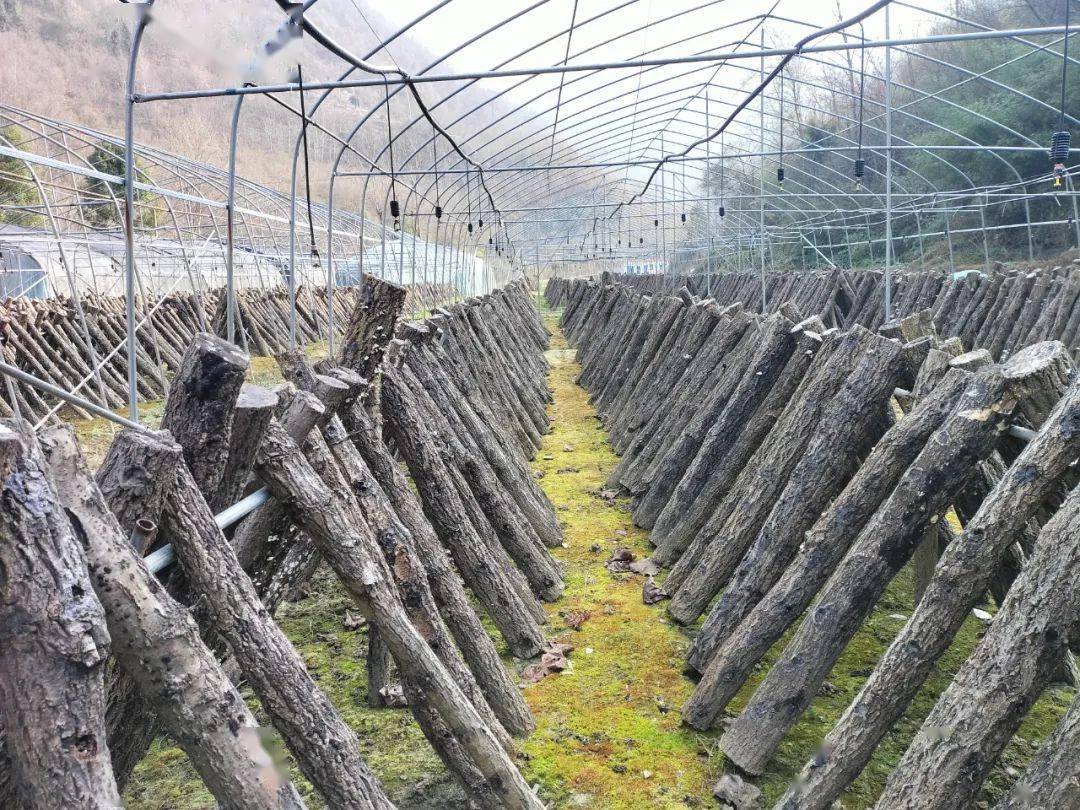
337,527
157,642
884,546
53,643
730,663
325,748
959,581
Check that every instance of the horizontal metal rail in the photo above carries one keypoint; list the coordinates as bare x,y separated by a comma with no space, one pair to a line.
632,64
163,557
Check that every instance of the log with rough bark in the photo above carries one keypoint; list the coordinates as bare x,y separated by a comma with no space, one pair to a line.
486,568
325,748
884,546
849,427
1053,777
461,392
342,468
874,364
982,708
371,328
199,410
727,348
254,408
134,479
351,472
764,374
299,412
740,390
157,642
472,639
53,644
513,531
959,581
727,666
335,524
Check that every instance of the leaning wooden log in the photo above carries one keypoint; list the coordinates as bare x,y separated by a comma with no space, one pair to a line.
739,518
960,579
300,412
472,639
496,445
252,413
341,467
656,439
325,748
851,424
746,382
979,712
524,547
134,478
351,473
884,546
777,346
485,567
339,532
157,643
53,644
828,540
371,327
1053,777
199,410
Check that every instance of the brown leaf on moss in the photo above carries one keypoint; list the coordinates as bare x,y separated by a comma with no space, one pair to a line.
651,593
576,618
620,560
554,659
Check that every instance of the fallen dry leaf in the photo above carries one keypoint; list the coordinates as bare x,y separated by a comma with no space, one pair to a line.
554,659
645,567
651,593
576,618
620,561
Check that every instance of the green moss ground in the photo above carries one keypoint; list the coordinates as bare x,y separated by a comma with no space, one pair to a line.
608,732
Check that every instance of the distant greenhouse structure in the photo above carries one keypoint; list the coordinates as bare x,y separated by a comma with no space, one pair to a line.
61,225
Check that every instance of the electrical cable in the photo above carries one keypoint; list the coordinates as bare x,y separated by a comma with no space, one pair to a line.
395,206
780,126
307,166
296,16
757,91
1060,141
860,163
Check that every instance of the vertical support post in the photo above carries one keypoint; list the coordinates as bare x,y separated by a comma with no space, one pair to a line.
536,258
230,226
1075,216
330,266
888,173
709,199
663,196
922,252
292,254
129,212
986,240
761,173
948,240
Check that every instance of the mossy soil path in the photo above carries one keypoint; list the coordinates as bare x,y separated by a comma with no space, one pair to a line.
608,731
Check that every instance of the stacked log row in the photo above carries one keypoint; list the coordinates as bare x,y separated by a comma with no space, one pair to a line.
464,402
766,455
457,390
80,345
1001,311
